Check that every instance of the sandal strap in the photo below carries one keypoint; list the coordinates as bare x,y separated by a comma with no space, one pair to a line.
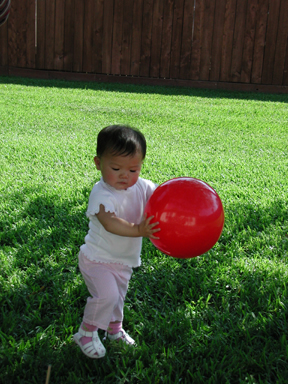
122,335
84,333
94,348
115,336
87,334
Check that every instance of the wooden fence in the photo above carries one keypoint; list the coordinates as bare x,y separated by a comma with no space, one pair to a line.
237,41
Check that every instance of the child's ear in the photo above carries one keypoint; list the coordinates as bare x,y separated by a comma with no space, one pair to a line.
97,162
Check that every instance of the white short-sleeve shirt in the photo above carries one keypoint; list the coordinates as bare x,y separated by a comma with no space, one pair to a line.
129,204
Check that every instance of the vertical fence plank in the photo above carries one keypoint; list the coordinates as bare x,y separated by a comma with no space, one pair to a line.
281,45
176,39
12,36
269,54
41,26
49,34
88,34
4,44
146,37
186,46
107,35
136,37
59,35
205,62
249,37
156,38
167,38
127,37
197,39
78,36
30,34
98,34
22,34
26,34
216,51
227,42
238,40
117,38
68,35
260,35
285,73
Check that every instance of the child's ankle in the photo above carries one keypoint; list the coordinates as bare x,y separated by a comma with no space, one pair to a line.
88,327
114,327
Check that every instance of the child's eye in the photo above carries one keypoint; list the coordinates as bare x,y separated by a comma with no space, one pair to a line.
115,169
131,170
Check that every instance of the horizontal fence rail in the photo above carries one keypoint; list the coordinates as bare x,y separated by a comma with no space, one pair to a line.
237,41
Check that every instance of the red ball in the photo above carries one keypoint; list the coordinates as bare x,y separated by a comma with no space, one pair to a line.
190,215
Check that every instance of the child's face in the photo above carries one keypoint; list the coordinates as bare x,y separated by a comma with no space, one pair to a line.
120,172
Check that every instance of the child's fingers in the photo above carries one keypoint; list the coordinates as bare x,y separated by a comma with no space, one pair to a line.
152,233
154,224
149,218
150,228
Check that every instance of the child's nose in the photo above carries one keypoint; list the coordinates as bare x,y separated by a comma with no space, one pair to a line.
124,174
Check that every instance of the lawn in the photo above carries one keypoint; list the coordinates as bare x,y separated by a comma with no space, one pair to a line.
218,318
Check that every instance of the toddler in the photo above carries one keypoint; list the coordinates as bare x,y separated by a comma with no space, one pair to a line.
113,243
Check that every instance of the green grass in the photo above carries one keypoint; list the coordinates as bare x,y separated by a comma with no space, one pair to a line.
218,318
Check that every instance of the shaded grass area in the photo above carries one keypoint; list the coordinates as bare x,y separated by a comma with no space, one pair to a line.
218,318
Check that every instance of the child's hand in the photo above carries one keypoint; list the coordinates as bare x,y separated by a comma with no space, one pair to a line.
146,229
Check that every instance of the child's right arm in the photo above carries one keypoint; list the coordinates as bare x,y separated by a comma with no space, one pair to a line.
121,227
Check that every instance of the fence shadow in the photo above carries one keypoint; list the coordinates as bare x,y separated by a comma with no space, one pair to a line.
146,89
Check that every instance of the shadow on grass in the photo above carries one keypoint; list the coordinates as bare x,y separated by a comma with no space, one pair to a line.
146,89
203,320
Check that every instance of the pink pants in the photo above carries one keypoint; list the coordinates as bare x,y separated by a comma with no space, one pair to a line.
108,285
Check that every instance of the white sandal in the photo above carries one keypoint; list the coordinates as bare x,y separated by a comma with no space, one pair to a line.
122,335
93,349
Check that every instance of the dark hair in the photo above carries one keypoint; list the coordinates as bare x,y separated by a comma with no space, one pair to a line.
120,140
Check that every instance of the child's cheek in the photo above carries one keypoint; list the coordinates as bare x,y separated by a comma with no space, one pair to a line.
135,178
109,178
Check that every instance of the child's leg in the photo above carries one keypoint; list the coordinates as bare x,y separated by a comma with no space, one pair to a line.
115,325
115,330
102,285
108,285
99,308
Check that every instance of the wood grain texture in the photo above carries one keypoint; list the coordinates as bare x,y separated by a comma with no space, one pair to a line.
217,40
186,43
59,35
176,39
136,37
207,38
239,41
281,44
146,38
156,39
166,39
271,40
260,38
227,41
